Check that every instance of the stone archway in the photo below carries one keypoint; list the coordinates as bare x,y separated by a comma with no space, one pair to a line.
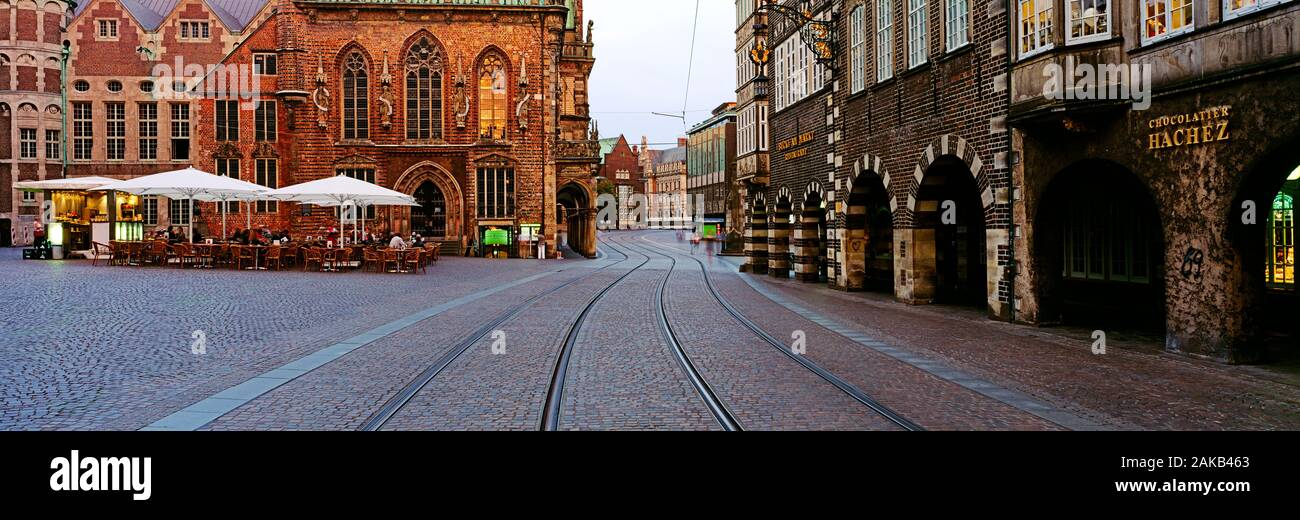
576,217
454,199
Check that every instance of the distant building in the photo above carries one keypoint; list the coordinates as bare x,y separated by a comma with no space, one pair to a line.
711,169
621,165
669,208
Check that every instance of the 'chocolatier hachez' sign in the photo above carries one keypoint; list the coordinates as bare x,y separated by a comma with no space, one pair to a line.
1204,127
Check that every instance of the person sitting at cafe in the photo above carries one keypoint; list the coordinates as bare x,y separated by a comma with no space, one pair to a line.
396,242
198,236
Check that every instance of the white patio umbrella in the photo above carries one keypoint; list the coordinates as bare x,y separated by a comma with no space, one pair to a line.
69,184
189,184
342,191
362,206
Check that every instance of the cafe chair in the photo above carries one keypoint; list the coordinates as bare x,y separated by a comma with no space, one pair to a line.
372,260
101,250
413,261
245,254
313,256
274,256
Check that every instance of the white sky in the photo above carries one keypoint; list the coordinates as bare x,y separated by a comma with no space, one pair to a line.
642,51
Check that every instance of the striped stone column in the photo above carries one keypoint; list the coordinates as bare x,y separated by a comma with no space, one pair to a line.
778,241
807,249
758,228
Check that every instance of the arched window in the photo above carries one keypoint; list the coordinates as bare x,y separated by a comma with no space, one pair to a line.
492,99
356,97
1281,247
423,92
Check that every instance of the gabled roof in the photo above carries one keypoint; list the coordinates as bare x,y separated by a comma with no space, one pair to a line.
150,14
676,154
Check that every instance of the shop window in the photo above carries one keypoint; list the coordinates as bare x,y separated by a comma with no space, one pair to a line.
356,98
1107,242
148,128
115,131
1035,22
423,92
227,113
268,175
884,39
917,46
492,99
496,193
1165,18
264,121
1281,246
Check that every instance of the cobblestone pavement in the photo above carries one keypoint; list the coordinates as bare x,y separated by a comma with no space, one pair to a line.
86,347
1134,386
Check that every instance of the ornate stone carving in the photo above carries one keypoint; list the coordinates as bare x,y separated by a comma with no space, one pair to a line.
521,110
321,96
386,95
226,150
461,99
265,150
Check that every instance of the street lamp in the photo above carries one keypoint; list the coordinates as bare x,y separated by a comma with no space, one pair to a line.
818,35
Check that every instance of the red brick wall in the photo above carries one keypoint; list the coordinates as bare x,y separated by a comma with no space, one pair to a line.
26,77
53,25
26,25
309,152
93,57
52,80
623,158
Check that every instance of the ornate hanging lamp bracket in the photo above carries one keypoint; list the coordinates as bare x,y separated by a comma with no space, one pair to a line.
818,35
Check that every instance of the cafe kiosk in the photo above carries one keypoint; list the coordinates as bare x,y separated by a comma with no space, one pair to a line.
76,216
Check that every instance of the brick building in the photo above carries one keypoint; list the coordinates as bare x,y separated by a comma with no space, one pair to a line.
477,110
753,165
888,166
31,120
621,165
951,165
711,169
669,208
1174,214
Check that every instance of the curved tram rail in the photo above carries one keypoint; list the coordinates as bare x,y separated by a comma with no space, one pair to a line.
848,388
555,396
398,402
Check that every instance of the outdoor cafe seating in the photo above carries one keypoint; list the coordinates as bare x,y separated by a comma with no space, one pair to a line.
159,253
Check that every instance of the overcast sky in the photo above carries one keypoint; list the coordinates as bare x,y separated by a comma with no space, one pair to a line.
642,51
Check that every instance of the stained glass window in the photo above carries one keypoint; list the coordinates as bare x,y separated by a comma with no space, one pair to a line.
492,99
1281,246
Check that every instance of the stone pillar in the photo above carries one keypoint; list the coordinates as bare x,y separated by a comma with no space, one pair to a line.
778,241
758,242
807,248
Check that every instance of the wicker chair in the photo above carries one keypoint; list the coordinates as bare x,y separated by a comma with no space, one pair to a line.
274,257
158,253
311,256
101,250
373,260
245,254
184,255
413,261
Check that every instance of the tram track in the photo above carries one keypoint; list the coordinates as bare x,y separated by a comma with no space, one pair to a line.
552,408
398,402
848,388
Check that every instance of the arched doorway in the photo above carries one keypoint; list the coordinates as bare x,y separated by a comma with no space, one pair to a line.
575,226
1268,251
429,219
1099,244
440,214
949,234
869,236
